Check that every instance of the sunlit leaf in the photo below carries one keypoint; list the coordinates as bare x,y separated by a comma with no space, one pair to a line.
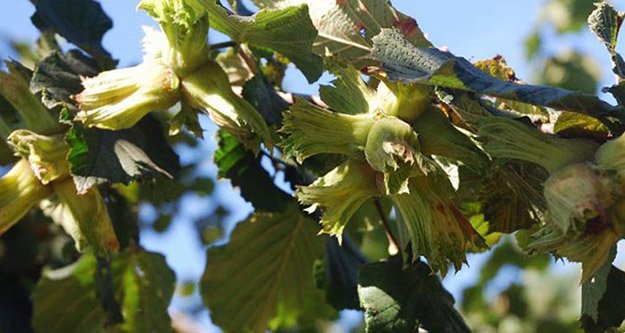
234,65
576,125
605,22
346,27
263,277
145,286
288,31
68,292
142,282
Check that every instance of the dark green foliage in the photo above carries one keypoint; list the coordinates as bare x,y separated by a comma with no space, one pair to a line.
261,94
402,299
82,22
57,77
244,171
602,306
337,274
406,63
140,281
97,156
276,271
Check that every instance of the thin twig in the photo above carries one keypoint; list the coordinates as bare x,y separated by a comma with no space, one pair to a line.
290,98
385,224
223,45
275,161
248,60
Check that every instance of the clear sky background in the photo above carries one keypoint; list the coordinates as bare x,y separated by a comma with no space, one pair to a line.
477,29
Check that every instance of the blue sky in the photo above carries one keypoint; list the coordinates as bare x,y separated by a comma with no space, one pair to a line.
476,29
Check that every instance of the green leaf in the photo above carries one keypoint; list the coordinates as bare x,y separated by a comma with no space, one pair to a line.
123,217
409,64
567,15
483,228
603,306
605,22
570,70
575,125
288,31
105,291
145,286
594,290
261,94
65,300
533,44
398,299
337,33
81,22
203,186
264,276
337,274
244,171
57,77
97,156
346,27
